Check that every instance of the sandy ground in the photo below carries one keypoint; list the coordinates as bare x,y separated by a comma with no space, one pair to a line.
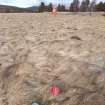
37,49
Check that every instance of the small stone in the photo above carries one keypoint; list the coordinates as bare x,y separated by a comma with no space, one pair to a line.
34,103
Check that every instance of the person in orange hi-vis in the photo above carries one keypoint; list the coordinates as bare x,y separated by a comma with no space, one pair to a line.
54,10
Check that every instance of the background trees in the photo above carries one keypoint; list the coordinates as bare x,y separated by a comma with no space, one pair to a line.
75,6
49,7
41,7
92,6
100,6
84,7
61,8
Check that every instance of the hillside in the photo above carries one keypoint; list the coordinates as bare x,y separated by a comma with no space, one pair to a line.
12,9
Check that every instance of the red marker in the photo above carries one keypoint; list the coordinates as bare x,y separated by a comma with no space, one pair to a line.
55,90
54,10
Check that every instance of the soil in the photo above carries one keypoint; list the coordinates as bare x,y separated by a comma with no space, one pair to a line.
38,49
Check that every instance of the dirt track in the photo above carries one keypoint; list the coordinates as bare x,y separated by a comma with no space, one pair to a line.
36,49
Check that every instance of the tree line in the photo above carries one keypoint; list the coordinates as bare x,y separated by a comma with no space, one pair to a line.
75,6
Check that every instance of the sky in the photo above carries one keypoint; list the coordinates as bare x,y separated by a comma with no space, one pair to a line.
29,3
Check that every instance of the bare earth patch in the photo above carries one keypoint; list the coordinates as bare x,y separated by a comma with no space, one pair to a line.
38,49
